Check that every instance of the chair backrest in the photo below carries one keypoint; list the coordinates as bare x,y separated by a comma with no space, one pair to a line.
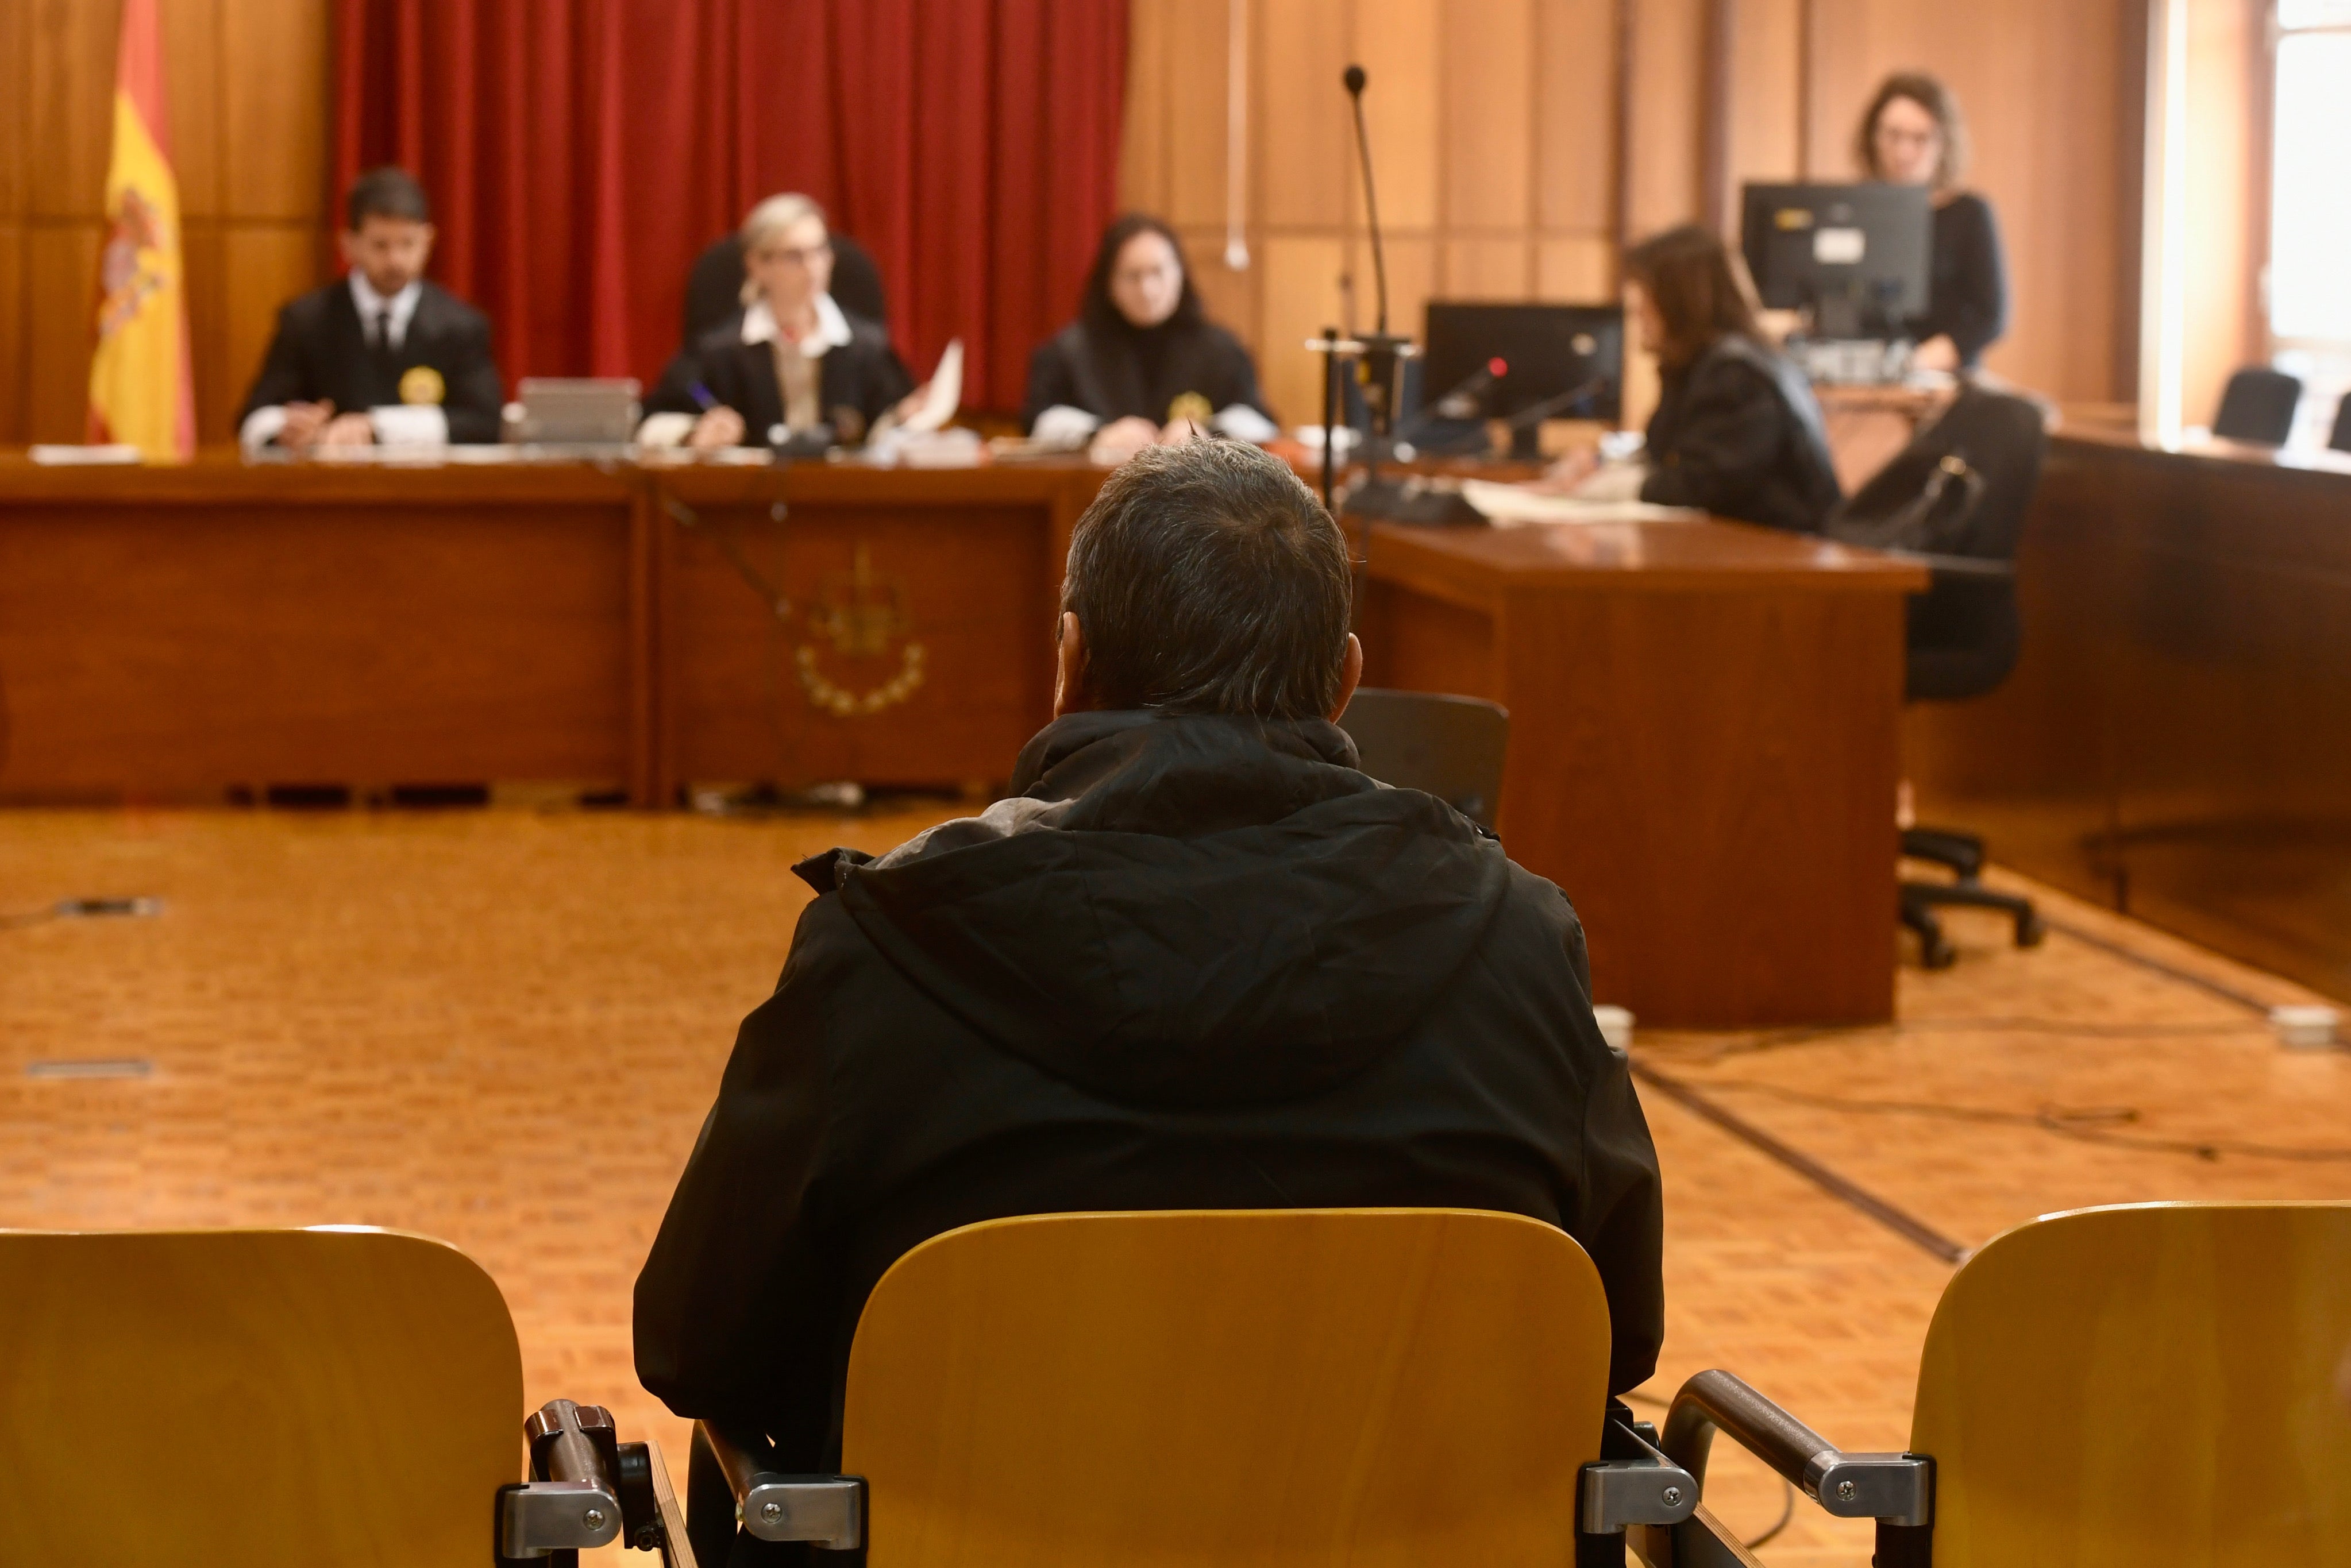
255,1398
713,289
1964,634
2154,1384
2258,406
2340,439
1451,747
1245,1389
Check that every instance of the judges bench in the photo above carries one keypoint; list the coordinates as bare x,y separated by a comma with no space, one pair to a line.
1704,741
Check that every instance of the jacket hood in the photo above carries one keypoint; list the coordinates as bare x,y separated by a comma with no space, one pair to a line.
1185,910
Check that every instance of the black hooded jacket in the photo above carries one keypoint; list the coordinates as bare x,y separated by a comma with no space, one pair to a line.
1194,962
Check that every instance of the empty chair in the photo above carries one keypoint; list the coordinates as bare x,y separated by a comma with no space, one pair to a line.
2113,1387
1245,1389
1976,468
2258,406
252,1399
2341,438
1451,747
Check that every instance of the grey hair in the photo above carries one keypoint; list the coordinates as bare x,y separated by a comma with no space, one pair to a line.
1207,579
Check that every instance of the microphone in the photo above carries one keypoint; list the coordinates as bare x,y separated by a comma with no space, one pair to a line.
1459,403
1354,81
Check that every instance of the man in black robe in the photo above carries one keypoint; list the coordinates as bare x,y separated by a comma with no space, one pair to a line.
1198,960
381,355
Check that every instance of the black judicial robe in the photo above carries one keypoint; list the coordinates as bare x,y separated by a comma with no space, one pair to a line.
320,353
1737,434
1116,371
864,373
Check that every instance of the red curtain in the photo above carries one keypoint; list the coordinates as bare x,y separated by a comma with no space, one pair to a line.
580,153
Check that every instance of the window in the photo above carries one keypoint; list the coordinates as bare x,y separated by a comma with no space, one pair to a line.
2310,199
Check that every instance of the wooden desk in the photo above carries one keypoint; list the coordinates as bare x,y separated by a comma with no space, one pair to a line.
929,598
1704,746
173,633
2175,738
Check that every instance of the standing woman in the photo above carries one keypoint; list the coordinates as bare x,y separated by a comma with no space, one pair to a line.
1736,432
1143,362
1913,135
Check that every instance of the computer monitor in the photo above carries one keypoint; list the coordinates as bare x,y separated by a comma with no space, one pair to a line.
1854,256
1558,361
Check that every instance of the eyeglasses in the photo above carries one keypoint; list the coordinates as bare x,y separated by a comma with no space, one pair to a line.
799,255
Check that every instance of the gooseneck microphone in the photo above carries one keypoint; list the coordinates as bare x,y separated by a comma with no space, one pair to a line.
1355,80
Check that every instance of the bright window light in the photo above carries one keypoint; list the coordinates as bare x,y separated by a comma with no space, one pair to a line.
2310,199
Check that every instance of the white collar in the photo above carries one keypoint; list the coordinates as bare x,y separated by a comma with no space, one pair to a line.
832,326
402,305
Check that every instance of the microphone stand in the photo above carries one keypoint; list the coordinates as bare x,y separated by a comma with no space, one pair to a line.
1379,354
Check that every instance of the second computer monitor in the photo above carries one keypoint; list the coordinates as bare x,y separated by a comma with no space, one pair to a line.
1568,357
1854,256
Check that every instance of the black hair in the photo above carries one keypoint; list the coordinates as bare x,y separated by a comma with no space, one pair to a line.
385,192
1097,309
1207,579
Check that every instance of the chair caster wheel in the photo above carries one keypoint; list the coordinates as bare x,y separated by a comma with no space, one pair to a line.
1934,952
2029,930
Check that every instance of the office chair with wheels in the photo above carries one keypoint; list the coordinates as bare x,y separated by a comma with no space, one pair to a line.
713,289
1956,500
2340,438
2107,1388
1451,747
1242,1389
2258,405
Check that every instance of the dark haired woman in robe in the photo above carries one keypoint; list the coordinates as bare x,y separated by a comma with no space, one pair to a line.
1141,363
1737,431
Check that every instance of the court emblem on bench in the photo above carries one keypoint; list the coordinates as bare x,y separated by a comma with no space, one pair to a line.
860,614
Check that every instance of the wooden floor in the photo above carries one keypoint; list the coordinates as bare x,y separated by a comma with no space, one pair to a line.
503,1027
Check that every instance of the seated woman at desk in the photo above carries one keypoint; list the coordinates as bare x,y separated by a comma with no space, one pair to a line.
1913,135
1141,363
1736,430
791,360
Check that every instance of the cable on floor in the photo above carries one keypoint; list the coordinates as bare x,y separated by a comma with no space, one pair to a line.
2087,1124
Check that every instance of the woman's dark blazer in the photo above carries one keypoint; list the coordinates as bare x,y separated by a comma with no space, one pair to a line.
864,374
1737,434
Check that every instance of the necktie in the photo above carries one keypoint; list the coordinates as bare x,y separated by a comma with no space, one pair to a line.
387,370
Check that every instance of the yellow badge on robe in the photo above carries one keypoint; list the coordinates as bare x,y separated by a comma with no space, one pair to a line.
422,386
1190,408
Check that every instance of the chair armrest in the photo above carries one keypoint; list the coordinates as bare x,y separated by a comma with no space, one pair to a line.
587,1487
1896,1490
828,1511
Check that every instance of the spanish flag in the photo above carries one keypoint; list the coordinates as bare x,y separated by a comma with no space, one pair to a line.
141,389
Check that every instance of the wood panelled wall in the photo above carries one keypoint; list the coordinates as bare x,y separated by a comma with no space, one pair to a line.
247,85
1519,141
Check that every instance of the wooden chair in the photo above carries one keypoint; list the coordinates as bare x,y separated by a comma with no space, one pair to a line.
2153,1383
1255,1389
254,1398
